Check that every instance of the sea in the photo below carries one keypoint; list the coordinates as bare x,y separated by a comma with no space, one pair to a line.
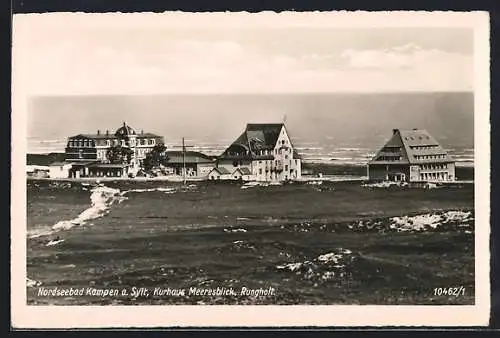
324,128
215,243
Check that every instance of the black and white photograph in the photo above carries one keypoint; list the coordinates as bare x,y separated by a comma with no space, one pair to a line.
333,161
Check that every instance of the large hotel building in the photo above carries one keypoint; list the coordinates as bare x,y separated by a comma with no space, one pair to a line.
91,150
412,156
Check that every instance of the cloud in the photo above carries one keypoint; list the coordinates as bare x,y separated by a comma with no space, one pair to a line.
178,65
413,67
410,56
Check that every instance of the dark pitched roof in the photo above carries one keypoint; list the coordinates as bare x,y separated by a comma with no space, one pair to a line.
221,170
257,137
263,136
108,136
176,156
243,171
411,147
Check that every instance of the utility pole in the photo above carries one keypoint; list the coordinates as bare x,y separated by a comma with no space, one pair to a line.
184,161
184,146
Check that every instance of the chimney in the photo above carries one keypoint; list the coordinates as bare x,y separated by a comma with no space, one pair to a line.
415,128
124,123
107,132
142,131
98,132
394,131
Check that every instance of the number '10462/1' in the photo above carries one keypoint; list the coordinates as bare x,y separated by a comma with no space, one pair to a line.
452,291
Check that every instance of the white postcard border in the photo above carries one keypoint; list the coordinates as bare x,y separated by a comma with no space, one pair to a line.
24,316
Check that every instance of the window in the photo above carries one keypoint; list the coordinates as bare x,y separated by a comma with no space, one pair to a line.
286,167
260,171
286,157
282,141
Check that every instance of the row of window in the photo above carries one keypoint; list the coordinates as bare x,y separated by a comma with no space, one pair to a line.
108,143
434,176
267,171
430,157
389,158
276,151
420,137
434,166
427,147
81,143
278,162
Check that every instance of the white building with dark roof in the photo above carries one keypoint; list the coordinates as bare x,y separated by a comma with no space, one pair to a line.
93,148
263,152
219,174
412,156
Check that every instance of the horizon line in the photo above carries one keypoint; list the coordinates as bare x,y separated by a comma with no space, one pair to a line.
415,92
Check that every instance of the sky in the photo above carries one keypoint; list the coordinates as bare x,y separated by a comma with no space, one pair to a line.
132,55
340,77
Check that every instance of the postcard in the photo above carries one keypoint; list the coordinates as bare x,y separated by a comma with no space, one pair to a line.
291,169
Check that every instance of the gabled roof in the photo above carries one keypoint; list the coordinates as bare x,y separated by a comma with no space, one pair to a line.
256,138
176,156
243,171
263,136
221,170
411,147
